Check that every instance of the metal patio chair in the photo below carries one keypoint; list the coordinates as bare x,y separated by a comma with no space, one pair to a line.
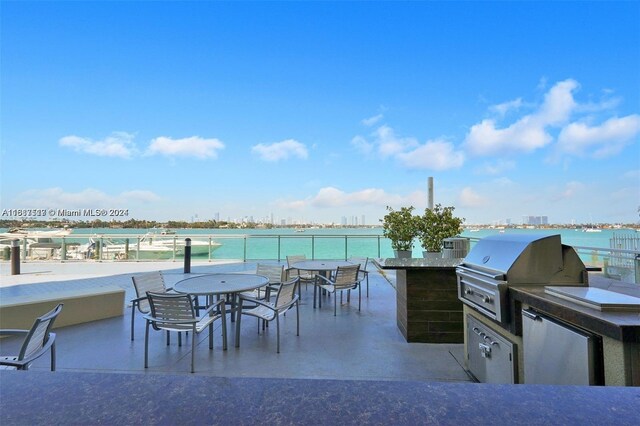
364,273
142,283
176,312
306,277
38,340
275,274
345,278
286,298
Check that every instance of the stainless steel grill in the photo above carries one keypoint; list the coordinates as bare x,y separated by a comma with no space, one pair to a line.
504,260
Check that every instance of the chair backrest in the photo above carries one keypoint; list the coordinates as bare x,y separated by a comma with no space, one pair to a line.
148,282
275,273
39,333
346,275
167,307
287,292
295,258
363,261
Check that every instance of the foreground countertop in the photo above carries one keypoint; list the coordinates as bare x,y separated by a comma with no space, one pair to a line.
42,397
417,263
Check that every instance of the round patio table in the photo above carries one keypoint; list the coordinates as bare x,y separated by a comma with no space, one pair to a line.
219,284
320,265
323,267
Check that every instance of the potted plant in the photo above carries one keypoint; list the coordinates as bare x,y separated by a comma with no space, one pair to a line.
435,225
401,228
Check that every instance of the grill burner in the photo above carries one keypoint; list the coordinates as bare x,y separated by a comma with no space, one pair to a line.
500,261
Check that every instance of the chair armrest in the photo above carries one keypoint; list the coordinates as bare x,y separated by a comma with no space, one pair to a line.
21,363
138,299
322,277
151,318
221,303
257,301
12,332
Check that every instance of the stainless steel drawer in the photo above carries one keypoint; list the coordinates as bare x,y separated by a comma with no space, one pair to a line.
491,357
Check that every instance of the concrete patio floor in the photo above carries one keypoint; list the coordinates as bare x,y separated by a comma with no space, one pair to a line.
354,345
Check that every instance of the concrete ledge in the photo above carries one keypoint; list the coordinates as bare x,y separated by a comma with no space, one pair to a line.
80,305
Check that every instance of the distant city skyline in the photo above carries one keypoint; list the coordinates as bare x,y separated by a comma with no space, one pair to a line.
321,111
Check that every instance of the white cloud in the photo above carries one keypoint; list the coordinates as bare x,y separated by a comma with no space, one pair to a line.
333,197
571,190
601,141
503,108
281,150
389,144
372,120
87,198
433,155
118,144
362,145
558,104
194,146
528,133
469,198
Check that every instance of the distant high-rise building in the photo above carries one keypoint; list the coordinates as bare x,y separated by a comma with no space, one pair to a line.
362,220
343,221
535,220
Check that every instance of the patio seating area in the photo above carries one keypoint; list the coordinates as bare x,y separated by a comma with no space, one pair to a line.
359,345
352,368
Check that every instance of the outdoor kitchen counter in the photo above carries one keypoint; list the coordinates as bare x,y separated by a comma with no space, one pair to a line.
619,330
428,308
42,397
619,325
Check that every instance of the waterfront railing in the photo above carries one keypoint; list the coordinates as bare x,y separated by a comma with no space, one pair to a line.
618,263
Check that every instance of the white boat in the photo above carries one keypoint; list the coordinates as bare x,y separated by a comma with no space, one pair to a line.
149,247
39,245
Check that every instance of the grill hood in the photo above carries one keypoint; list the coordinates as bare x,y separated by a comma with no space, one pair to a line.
526,259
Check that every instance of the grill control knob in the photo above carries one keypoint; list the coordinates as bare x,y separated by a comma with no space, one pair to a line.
468,291
486,299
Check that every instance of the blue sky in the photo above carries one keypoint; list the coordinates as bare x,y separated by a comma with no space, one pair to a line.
311,111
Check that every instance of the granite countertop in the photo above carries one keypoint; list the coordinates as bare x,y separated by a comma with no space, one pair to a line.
42,397
619,325
417,263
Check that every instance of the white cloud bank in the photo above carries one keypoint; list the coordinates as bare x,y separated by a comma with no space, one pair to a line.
194,146
87,198
331,197
118,144
532,132
601,141
529,132
436,154
278,151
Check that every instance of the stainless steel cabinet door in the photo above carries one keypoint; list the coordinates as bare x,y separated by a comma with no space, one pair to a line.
490,356
555,354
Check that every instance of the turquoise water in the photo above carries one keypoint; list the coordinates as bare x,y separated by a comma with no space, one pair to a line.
330,243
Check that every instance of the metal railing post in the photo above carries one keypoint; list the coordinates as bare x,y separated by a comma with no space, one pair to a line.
278,248
15,257
187,256
63,250
244,256
346,247
313,247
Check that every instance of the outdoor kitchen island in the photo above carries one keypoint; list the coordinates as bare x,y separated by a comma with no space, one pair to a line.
618,330
428,308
